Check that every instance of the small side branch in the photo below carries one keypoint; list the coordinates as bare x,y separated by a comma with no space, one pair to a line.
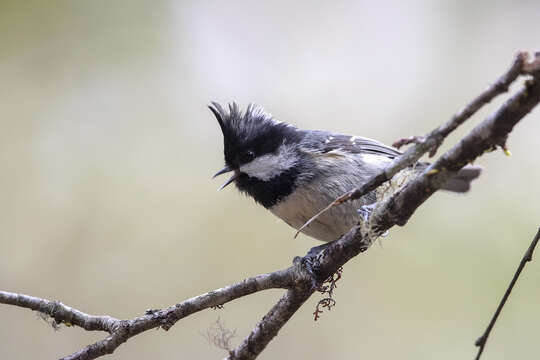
491,132
482,340
519,66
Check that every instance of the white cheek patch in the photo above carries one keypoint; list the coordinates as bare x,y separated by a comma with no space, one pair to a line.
270,165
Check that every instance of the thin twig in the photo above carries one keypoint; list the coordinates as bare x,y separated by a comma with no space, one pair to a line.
482,340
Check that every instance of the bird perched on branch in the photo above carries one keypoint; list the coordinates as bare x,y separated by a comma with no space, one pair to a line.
295,173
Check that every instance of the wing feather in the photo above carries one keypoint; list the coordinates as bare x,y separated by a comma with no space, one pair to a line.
357,145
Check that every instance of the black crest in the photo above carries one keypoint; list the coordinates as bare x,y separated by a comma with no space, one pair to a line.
249,134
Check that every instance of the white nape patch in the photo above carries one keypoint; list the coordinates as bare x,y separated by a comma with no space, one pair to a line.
271,165
353,138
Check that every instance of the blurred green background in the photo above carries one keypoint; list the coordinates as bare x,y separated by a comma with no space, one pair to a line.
107,151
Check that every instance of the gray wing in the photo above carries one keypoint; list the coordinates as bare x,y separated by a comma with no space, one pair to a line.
326,142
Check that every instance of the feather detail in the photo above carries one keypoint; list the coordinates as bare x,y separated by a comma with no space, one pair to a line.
358,145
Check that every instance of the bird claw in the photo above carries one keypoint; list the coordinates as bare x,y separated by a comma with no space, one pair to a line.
309,261
316,250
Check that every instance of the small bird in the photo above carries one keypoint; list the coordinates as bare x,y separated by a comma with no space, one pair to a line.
295,173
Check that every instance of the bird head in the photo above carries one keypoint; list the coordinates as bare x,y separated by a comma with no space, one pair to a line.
256,145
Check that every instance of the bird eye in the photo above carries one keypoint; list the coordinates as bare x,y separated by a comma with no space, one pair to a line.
247,156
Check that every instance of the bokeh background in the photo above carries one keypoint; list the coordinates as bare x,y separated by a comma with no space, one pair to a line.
107,151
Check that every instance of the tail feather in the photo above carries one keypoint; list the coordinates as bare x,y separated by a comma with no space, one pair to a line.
461,182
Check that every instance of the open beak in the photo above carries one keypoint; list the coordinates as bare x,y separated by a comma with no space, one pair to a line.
225,170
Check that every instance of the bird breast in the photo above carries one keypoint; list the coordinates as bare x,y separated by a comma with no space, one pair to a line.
335,176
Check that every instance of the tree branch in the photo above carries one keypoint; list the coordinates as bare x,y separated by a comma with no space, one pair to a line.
303,278
121,330
432,141
270,324
490,133
482,340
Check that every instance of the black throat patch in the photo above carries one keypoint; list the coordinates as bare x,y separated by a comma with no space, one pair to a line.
269,193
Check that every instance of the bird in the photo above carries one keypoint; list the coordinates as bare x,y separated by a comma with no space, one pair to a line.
294,173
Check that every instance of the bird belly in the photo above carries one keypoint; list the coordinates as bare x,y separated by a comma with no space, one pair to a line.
297,208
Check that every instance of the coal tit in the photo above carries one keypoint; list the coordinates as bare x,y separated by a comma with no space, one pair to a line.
295,173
